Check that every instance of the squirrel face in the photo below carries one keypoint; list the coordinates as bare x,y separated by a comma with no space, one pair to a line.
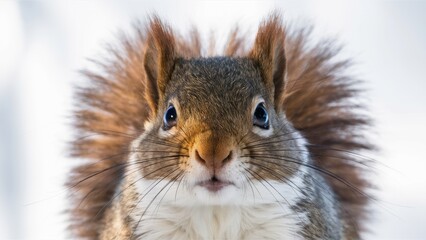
217,125
221,154
214,122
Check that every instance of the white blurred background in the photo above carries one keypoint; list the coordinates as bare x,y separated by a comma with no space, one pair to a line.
43,44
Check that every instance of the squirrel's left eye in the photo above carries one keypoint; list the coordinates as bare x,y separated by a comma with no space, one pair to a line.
261,117
170,117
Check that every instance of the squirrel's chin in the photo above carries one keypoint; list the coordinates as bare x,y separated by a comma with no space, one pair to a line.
225,195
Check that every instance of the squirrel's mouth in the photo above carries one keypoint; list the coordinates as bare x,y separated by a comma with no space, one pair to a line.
214,184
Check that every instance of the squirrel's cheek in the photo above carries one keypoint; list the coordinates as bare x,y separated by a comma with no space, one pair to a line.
263,132
167,133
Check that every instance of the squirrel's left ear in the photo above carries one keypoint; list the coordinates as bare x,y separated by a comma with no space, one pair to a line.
268,52
159,60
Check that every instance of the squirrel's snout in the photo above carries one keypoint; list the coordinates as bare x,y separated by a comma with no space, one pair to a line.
213,157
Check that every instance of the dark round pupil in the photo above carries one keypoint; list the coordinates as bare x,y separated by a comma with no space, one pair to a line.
260,117
170,117
260,114
171,114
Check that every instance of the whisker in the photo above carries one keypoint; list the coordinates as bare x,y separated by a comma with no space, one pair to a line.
156,182
177,188
130,185
95,162
342,150
271,142
258,178
363,163
173,180
243,137
163,143
111,132
329,149
281,177
155,151
156,195
251,187
317,168
123,165
94,135
118,194
124,152
279,202
173,142
185,136
315,181
249,144
282,165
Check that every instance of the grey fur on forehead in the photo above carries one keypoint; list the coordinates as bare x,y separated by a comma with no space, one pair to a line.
217,76
215,80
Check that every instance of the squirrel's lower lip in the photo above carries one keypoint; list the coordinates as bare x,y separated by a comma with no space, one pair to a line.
214,186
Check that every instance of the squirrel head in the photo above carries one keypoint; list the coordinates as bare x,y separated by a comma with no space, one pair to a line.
219,130
216,123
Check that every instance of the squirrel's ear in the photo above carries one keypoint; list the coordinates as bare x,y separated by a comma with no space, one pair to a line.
158,61
268,53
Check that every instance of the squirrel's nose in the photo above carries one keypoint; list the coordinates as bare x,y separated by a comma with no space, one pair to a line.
213,157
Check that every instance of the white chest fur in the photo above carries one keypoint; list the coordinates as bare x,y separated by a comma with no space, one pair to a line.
262,215
220,222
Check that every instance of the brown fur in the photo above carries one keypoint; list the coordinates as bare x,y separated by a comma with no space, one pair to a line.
317,101
268,51
159,61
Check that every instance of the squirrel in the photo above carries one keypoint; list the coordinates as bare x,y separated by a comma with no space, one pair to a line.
252,143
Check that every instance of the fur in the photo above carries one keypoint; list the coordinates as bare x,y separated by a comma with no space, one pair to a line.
316,99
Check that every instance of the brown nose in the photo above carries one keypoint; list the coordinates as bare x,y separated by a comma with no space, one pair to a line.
213,153
215,161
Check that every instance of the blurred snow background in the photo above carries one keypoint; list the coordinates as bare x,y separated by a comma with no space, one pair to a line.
44,43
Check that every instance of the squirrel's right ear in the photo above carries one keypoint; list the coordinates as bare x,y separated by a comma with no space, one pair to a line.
159,61
268,52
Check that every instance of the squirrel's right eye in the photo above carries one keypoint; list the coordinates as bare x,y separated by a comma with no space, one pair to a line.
261,117
170,118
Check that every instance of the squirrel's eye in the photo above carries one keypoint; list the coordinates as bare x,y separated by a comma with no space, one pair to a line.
260,117
170,118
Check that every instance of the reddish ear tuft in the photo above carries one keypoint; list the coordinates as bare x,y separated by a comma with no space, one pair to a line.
268,52
159,60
